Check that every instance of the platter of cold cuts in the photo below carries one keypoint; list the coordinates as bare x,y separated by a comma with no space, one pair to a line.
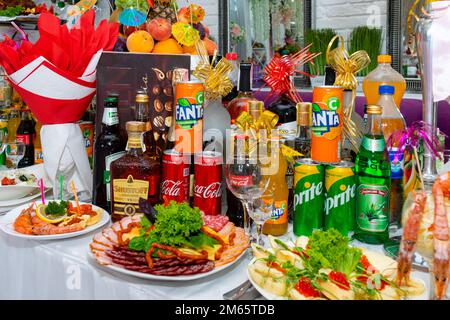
172,242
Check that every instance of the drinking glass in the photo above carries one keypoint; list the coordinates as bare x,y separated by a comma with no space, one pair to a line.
261,213
15,152
246,180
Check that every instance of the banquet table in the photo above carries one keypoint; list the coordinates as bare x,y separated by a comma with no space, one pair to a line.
63,269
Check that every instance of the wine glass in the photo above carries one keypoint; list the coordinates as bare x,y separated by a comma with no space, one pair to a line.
262,212
15,152
246,180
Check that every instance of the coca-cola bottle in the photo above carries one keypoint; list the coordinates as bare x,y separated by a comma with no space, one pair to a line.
25,134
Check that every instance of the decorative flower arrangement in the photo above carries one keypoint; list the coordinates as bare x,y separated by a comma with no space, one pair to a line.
237,34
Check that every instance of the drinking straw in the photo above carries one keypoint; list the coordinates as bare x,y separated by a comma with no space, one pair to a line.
41,187
74,190
61,180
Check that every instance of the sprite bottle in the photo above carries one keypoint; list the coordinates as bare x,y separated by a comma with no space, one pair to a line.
373,171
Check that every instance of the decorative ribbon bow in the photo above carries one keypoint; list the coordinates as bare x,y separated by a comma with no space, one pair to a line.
346,65
267,121
216,79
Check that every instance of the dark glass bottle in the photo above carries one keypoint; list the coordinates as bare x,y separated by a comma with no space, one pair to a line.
287,113
108,148
25,134
142,114
241,102
134,176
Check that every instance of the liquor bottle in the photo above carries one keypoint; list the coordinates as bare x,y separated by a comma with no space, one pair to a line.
241,102
134,176
392,121
25,134
108,148
286,111
142,114
13,123
373,171
277,225
304,123
3,136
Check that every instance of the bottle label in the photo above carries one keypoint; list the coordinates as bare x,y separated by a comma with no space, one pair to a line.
372,208
38,156
373,145
23,138
135,142
188,114
279,213
397,162
107,175
288,129
127,193
110,117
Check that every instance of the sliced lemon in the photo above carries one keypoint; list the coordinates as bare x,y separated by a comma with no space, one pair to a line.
40,212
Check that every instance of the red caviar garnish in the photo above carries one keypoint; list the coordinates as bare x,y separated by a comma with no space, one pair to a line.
339,279
275,266
305,287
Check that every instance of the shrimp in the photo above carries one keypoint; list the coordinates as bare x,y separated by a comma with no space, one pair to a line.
50,229
409,238
440,242
23,223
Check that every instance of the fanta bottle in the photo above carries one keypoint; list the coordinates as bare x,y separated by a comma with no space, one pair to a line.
384,74
277,225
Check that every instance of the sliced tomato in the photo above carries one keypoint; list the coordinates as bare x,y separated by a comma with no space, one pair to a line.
8,182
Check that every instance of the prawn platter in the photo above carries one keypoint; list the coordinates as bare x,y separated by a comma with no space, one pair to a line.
169,242
30,221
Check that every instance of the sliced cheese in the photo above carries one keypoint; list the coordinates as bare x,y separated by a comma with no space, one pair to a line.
135,232
274,286
262,268
288,256
332,291
382,263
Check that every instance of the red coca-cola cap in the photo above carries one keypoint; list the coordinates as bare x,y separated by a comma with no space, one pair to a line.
232,56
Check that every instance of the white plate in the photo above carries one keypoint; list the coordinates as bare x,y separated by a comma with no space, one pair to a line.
6,225
8,193
417,275
147,276
11,204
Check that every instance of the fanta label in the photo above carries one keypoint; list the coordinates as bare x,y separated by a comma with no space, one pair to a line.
188,114
327,119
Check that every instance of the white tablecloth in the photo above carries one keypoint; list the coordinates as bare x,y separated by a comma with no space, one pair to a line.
63,270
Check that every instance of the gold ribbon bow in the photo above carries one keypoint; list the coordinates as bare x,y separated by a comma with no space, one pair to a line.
346,65
216,78
253,126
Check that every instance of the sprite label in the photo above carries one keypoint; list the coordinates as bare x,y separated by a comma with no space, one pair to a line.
340,197
308,199
372,207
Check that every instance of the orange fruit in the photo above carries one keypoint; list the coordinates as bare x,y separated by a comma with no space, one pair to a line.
210,45
140,41
190,50
169,46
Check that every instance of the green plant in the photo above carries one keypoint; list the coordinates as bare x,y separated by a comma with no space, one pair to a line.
320,38
368,39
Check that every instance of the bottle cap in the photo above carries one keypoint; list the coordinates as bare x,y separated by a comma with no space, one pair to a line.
245,77
232,56
135,126
374,109
304,114
255,108
386,90
384,58
141,97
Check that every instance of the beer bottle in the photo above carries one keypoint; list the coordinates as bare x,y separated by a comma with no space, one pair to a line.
108,148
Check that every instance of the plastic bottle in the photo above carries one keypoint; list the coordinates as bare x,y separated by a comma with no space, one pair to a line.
392,121
384,74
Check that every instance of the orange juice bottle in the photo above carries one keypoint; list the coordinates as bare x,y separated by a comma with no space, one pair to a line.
384,74
277,225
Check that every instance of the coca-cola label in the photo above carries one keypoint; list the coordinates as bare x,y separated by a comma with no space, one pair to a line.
208,192
240,181
174,189
23,138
